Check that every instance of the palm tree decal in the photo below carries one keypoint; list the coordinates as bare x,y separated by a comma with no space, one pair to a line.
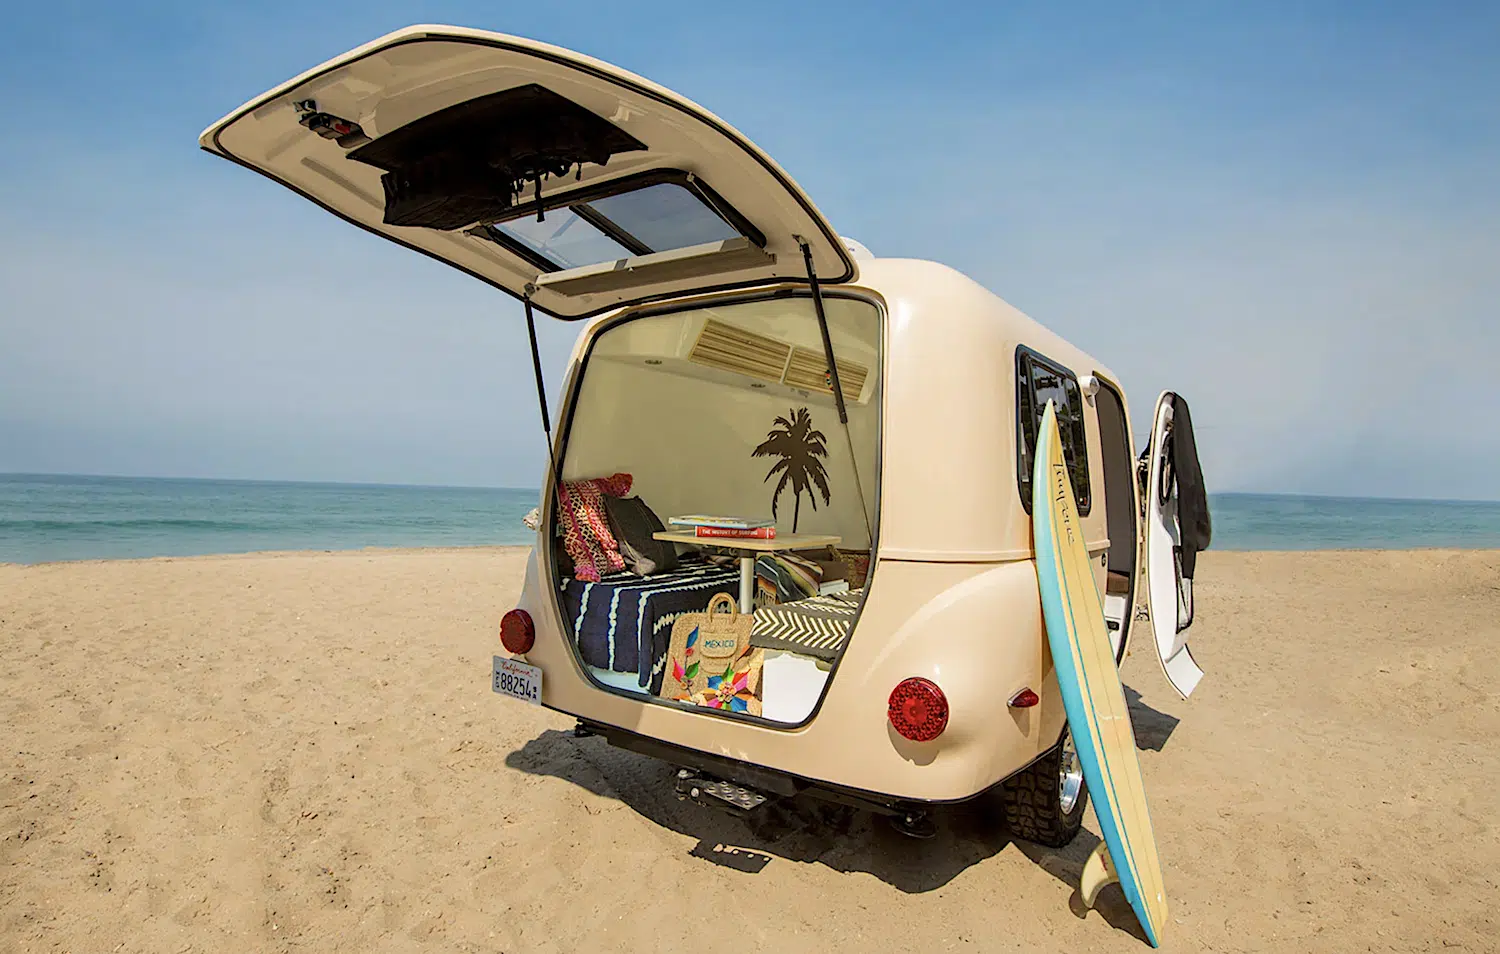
798,445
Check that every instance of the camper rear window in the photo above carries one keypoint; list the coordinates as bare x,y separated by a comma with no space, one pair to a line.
1038,381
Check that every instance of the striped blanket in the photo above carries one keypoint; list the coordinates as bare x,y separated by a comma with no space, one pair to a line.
791,577
624,622
817,626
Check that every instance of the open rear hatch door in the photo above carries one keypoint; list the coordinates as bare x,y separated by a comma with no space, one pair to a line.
1176,527
541,171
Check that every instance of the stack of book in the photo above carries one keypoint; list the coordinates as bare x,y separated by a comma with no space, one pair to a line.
705,525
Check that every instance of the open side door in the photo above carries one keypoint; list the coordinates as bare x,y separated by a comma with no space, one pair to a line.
1176,527
559,178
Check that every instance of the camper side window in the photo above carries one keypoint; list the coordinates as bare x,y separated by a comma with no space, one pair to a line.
1038,381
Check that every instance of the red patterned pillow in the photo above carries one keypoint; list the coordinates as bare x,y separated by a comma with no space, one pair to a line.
586,534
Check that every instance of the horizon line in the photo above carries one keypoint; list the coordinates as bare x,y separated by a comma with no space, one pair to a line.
537,490
264,480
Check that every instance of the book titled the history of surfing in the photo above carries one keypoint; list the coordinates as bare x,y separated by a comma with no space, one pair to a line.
757,533
728,523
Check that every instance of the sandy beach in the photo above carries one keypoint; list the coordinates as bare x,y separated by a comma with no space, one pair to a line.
301,752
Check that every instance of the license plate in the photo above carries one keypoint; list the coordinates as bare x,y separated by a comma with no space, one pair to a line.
518,680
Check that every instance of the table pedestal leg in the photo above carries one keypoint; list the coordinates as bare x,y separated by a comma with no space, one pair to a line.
747,584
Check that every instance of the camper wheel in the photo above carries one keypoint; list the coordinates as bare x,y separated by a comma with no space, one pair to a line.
1044,802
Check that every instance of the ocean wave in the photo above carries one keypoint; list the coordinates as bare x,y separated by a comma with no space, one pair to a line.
135,523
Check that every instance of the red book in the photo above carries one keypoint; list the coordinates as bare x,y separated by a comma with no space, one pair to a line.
759,533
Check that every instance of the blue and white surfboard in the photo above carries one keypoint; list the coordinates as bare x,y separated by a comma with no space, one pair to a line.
1092,693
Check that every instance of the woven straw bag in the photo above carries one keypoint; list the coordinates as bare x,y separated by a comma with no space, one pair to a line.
737,689
703,645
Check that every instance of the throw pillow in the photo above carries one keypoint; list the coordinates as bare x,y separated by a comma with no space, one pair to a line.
587,538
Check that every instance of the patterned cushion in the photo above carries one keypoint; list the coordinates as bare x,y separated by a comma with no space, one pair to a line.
587,537
816,627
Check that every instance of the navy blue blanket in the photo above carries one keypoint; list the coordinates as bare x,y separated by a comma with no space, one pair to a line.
624,622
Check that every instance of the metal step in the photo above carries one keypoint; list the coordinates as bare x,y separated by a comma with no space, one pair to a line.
717,793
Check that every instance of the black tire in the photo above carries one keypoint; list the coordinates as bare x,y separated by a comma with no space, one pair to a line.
1033,803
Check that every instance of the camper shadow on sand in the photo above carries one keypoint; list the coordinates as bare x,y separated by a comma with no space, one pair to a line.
812,832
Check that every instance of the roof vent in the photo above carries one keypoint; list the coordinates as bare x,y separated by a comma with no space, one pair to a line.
728,348
809,370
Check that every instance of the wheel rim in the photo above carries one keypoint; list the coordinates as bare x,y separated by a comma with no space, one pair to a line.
1069,776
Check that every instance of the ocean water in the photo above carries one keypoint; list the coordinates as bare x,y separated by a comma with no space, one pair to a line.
46,518
1285,522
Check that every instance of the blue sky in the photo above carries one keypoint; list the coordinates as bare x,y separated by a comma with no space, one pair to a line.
1290,213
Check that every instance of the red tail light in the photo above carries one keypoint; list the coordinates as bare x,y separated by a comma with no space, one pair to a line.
1024,699
918,709
517,632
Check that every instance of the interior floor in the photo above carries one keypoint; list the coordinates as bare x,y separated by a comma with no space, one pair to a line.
790,687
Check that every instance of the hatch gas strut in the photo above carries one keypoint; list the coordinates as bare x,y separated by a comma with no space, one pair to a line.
833,373
541,388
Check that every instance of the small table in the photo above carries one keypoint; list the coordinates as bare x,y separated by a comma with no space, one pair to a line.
748,548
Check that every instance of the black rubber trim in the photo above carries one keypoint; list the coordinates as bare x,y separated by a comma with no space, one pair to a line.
775,174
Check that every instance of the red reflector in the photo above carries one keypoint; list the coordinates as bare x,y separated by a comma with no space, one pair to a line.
517,632
1024,699
918,709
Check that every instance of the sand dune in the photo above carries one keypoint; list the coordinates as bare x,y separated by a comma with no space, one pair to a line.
301,752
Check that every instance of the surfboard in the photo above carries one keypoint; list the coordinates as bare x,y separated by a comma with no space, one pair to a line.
1093,696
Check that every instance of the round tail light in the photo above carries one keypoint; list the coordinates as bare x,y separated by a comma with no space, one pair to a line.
517,632
918,709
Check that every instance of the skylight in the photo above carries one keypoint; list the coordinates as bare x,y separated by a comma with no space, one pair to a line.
564,239
665,216
658,218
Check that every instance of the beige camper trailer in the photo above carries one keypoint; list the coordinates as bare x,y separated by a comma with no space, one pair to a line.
738,357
